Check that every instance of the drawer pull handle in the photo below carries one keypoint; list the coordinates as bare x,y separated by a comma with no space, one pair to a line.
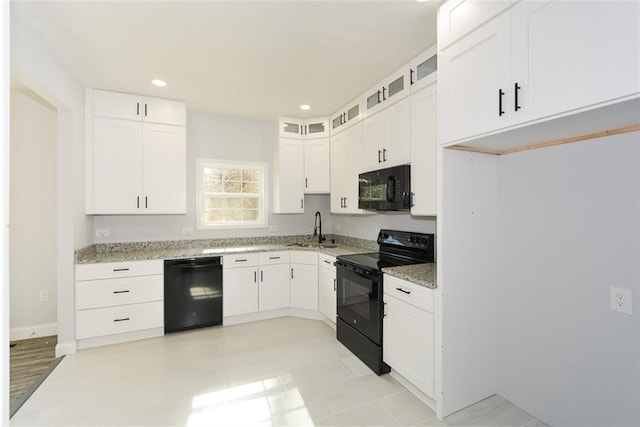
241,260
121,292
325,261
122,320
402,290
120,269
274,257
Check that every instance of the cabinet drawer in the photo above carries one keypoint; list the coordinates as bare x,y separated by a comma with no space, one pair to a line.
117,320
326,261
121,291
279,257
303,257
240,260
112,270
411,293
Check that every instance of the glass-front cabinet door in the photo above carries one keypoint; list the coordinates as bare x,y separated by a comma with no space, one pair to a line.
290,127
316,127
346,116
423,70
389,91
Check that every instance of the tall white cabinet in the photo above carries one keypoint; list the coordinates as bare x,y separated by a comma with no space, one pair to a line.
136,154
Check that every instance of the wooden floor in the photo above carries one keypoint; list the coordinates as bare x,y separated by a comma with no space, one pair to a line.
29,359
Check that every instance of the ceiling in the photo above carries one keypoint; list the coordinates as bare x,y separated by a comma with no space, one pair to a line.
257,59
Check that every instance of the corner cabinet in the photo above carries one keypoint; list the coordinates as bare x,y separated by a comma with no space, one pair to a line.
304,279
136,154
533,62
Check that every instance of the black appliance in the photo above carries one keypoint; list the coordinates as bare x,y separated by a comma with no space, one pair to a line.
385,189
192,293
360,288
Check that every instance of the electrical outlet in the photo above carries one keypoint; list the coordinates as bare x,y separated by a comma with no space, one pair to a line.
187,230
44,295
102,233
620,299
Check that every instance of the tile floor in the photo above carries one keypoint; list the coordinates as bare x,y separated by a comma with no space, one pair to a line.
278,372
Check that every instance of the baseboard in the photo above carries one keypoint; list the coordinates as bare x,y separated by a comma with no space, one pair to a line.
34,331
120,338
64,348
272,314
430,402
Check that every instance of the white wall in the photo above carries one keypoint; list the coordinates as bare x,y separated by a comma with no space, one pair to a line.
367,226
36,67
33,215
4,212
570,230
217,136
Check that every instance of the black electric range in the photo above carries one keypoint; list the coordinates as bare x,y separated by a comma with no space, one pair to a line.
360,288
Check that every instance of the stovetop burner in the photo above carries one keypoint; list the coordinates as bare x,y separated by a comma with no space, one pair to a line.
396,248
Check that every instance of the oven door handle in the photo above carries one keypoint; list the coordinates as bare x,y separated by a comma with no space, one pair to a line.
391,188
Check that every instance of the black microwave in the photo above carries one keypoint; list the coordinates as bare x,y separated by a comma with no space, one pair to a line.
385,189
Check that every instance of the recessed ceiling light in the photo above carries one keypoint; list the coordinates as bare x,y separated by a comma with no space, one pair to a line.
158,82
305,107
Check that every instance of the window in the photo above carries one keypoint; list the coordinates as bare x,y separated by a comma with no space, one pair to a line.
230,194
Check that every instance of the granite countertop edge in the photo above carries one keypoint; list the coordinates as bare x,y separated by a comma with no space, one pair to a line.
420,274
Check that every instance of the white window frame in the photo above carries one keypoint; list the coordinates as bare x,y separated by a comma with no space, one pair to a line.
200,205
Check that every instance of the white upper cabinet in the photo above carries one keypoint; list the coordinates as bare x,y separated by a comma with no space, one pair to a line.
346,116
346,164
387,137
534,62
289,127
424,143
568,55
472,78
317,177
423,70
288,177
135,107
390,90
134,165
457,18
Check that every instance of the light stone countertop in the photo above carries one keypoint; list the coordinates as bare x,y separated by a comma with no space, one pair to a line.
420,274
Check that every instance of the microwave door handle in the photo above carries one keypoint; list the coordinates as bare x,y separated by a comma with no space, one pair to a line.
391,188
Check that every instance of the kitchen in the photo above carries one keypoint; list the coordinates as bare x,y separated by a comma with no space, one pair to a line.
52,77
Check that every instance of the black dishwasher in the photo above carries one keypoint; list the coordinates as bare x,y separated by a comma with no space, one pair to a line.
192,293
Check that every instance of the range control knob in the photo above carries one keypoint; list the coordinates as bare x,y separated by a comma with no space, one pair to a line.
412,239
424,241
383,235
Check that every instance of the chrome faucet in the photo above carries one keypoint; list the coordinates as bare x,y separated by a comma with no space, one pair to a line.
317,228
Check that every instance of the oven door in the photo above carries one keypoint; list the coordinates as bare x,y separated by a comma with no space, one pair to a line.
359,300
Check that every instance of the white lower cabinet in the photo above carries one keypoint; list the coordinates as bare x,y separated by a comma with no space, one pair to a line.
118,298
327,287
408,332
304,279
239,284
255,282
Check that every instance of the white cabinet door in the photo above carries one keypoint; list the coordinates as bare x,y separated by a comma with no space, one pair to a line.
327,289
347,116
316,127
165,111
457,18
116,168
387,138
346,161
289,127
408,336
273,292
424,143
240,291
390,90
304,286
317,161
566,55
424,69
288,173
117,105
474,82
164,169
